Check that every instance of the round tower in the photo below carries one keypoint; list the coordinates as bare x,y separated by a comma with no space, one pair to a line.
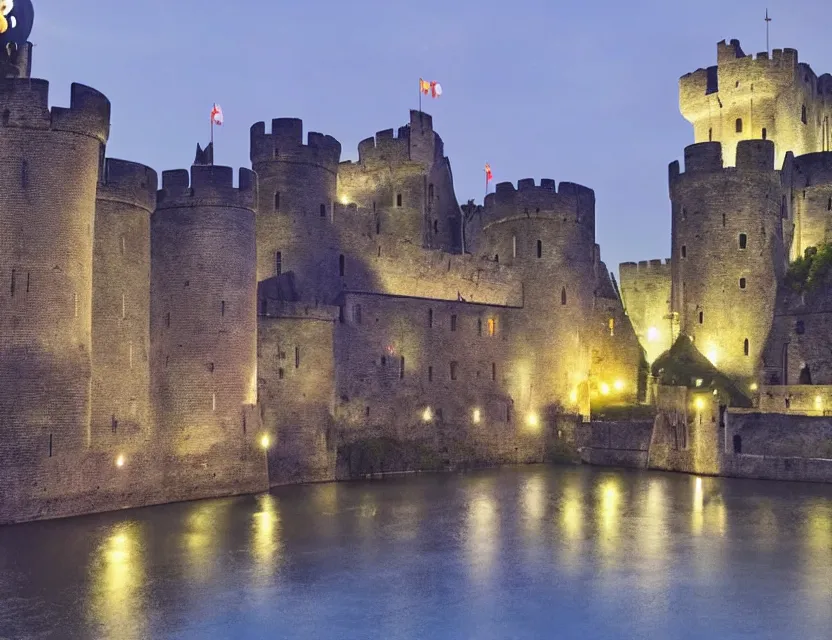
297,185
50,164
548,236
745,97
204,317
121,303
728,254
812,201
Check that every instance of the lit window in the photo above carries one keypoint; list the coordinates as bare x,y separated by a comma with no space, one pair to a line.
492,327
612,326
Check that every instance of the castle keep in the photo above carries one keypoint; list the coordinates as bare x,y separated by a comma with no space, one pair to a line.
206,334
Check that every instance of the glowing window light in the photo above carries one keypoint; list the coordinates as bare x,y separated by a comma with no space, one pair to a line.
699,382
605,389
492,327
532,420
120,461
265,441
427,414
652,334
754,386
699,403
618,385
477,416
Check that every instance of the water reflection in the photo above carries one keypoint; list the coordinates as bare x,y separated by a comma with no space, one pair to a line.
608,515
117,607
205,523
266,541
483,531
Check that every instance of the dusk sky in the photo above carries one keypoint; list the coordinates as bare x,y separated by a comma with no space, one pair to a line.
578,91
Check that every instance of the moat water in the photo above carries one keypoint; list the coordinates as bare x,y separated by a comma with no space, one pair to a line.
535,552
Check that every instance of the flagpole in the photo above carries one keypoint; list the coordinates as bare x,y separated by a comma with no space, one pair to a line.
768,22
212,138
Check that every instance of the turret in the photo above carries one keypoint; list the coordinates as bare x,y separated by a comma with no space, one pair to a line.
204,323
728,252
121,409
811,197
297,192
47,210
745,97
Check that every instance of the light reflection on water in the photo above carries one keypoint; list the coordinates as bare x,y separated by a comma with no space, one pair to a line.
511,553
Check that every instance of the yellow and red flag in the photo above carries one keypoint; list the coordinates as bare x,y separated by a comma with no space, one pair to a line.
424,86
432,88
488,175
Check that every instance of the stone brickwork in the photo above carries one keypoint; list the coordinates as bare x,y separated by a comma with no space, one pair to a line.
204,326
645,290
728,252
778,435
748,97
121,408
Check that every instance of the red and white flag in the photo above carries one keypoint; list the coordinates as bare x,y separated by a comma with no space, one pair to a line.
433,88
488,175
216,115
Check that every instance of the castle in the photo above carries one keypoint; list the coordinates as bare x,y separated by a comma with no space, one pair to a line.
315,319
311,319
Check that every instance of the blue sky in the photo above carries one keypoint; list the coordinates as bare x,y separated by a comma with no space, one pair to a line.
579,91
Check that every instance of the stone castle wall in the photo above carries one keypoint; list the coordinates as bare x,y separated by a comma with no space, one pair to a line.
645,290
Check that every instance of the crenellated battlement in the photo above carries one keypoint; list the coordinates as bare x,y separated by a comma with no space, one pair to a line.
25,105
657,267
567,201
285,144
706,157
207,185
128,182
416,141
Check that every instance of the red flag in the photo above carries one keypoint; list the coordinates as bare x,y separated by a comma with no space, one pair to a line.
488,175
216,115
435,89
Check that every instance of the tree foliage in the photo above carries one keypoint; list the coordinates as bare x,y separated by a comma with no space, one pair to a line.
810,271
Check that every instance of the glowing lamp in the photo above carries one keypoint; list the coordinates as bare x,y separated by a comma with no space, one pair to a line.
699,382
265,441
344,200
477,416
573,396
427,414
605,389
754,386
699,403
120,461
619,385
652,334
532,420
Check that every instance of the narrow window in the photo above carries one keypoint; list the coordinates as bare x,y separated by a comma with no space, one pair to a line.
378,227
398,200
278,263
454,367
50,445
765,134
723,219
436,226
167,319
297,357
513,246
497,258
684,213
494,371
341,265
803,117
356,314
367,411
684,251
383,361
539,248
401,369
742,283
213,402
563,296
430,318
13,281
739,125
701,317
745,347
123,245
280,374
123,306
492,327
430,374
453,322
323,211
113,423
710,135
611,325
479,326
211,367
430,191
222,308
743,241
800,327
829,205
277,201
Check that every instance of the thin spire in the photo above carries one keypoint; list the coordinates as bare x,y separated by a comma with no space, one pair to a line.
768,23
